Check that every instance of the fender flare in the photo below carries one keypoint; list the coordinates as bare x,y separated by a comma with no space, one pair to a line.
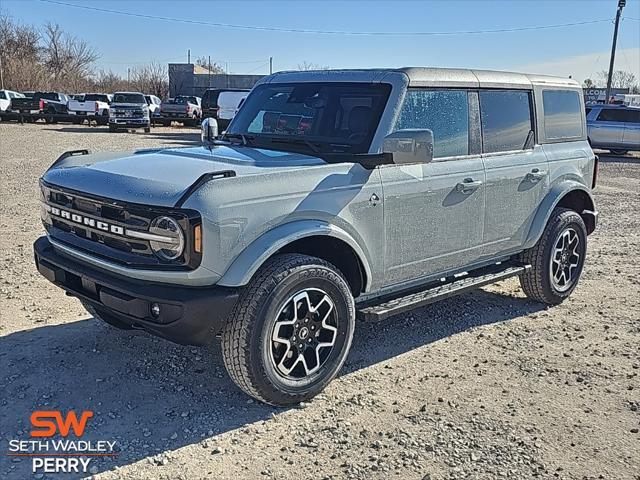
548,204
261,249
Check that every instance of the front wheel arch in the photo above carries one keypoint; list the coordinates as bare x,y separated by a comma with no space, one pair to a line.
285,238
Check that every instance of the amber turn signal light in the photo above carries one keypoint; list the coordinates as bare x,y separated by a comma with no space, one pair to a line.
197,238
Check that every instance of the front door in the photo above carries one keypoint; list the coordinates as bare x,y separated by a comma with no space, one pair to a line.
433,217
434,212
517,172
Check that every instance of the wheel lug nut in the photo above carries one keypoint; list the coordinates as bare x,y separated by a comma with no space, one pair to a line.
300,346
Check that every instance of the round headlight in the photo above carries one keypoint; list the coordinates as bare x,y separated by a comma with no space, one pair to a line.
171,245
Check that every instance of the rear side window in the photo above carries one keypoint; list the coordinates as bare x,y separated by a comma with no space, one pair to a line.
445,113
506,119
562,116
632,116
2,96
611,115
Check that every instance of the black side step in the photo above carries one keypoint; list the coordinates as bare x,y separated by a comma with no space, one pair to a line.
444,289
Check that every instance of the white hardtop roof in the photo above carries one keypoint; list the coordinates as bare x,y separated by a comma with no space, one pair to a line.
429,77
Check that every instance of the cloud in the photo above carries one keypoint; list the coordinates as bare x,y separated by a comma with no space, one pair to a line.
586,66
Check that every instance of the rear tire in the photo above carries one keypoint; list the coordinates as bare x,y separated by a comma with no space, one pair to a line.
557,259
290,331
147,129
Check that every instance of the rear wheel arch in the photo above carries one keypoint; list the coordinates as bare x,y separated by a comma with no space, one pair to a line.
571,195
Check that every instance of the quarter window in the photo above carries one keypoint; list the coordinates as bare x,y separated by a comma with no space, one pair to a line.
445,113
506,120
562,116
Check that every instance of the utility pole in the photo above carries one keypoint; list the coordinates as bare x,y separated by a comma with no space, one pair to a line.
189,56
209,76
270,65
621,4
128,77
1,74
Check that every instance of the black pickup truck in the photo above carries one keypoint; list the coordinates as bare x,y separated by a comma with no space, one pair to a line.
41,103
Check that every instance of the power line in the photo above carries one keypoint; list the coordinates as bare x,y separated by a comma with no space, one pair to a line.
322,32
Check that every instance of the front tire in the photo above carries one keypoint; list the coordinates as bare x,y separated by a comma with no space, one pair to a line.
557,259
291,330
619,151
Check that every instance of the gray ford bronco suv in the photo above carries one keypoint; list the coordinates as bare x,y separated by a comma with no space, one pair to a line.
332,195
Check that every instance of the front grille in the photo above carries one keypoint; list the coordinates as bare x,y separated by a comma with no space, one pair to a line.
129,113
101,227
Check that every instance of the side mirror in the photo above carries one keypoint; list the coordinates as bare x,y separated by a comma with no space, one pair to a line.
409,146
209,130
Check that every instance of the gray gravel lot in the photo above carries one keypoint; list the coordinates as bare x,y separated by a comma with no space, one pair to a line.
487,385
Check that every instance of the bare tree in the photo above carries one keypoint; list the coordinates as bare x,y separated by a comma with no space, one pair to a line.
620,79
66,57
204,63
588,83
305,66
152,79
108,81
19,53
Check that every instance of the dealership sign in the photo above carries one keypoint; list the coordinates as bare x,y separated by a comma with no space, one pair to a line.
49,454
593,95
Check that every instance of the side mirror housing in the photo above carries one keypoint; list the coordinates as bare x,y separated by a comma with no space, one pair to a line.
414,145
209,130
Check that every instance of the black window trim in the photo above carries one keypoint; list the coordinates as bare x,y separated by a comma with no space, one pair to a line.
532,117
575,138
476,138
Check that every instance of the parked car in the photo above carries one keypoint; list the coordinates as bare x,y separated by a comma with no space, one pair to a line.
129,110
47,103
153,103
185,109
332,195
90,105
614,127
222,104
5,98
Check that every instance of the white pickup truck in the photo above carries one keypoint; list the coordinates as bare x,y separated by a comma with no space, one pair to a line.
94,106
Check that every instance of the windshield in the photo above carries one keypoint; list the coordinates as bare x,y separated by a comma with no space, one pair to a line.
330,117
128,98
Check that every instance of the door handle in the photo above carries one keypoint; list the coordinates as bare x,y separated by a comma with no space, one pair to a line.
468,185
535,175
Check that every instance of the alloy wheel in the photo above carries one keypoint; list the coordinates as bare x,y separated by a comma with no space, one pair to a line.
565,260
304,334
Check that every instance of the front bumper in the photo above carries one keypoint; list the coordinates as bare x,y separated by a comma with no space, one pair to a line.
188,315
129,122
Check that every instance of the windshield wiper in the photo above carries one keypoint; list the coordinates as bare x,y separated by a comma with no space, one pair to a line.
244,138
296,141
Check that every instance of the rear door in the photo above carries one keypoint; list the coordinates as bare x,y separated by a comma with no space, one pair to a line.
434,212
608,128
516,168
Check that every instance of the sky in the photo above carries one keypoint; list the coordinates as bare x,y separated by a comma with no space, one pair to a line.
128,41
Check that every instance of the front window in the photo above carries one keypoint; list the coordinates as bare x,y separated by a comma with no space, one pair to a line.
445,113
327,117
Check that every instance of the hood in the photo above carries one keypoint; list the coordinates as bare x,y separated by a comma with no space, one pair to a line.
161,177
128,105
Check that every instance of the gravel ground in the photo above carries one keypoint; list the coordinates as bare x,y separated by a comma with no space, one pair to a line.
487,385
